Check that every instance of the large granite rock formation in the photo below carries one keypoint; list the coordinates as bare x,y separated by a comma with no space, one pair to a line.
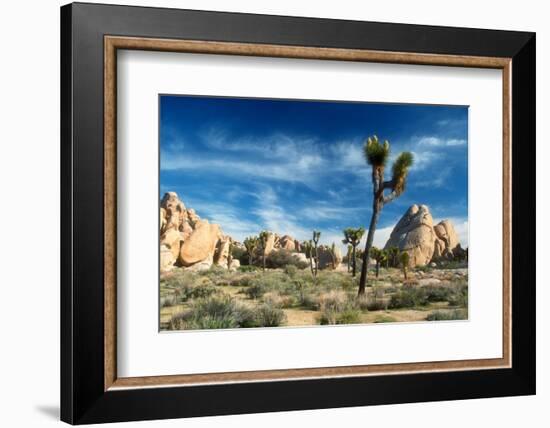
416,234
187,240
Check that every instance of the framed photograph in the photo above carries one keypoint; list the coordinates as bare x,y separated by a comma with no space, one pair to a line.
266,213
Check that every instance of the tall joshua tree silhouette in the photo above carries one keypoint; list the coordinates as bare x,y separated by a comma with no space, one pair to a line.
251,244
316,236
263,237
376,155
353,237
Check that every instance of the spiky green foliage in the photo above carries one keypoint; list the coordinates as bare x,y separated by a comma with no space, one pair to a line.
251,244
376,153
308,249
393,256
353,237
316,237
380,256
263,237
400,170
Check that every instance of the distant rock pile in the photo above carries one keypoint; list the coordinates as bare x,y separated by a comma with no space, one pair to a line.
425,243
187,240
193,243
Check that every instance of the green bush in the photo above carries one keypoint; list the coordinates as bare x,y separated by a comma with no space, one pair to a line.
346,315
408,297
168,300
214,312
290,270
268,315
438,293
309,301
384,318
248,268
459,298
281,258
455,314
377,304
256,290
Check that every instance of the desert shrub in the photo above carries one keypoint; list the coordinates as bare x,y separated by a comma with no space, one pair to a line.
408,297
208,322
349,316
201,291
438,293
168,300
342,315
268,315
240,254
361,302
242,281
335,280
384,318
309,301
425,268
248,268
377,304
256,290
279,300
213,271
333,300
459,298
455,314
214,312
281,258
290,270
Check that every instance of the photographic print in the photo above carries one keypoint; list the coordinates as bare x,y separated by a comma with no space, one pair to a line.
289,213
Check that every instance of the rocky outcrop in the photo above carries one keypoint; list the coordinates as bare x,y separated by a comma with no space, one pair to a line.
416,234
447,240
328,258
187,240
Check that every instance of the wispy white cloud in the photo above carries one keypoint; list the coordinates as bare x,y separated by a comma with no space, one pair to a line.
433,141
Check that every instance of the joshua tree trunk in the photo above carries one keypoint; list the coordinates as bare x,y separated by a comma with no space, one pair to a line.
368,245
377,269
250,259
354,265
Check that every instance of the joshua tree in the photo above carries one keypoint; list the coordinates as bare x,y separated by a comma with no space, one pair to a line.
316,236
380,256
263,244
349,255
333,255
353,237
308,248
376,155
251,244
393,256
230,255
404,259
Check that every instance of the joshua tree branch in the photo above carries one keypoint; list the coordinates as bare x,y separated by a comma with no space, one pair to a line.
387,199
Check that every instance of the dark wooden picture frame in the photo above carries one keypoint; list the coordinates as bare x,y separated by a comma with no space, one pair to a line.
90,37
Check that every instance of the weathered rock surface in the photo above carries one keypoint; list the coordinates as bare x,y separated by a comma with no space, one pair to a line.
414,234
187,240
201,244
328,258
425,243
172,239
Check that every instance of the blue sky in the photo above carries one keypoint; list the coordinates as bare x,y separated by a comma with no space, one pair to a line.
293,166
